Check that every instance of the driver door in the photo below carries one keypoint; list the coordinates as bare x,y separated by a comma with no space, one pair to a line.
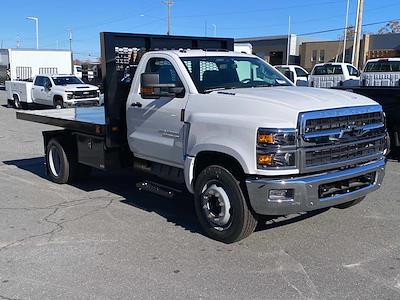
155,129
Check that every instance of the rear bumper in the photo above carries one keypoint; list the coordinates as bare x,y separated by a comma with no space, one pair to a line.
306,190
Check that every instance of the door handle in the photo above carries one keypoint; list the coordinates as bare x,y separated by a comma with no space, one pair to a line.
136,104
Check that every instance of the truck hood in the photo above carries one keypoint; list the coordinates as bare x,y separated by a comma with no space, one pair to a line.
278,106
78,87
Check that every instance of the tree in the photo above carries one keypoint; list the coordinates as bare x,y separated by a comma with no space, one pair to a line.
350,33
390,27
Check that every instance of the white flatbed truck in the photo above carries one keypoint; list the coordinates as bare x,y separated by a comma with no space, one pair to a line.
226,126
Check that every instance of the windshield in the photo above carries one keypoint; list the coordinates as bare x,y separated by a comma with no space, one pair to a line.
227,72
328,70
383,66
66,80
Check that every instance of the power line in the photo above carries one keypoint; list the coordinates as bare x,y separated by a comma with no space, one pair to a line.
342,28
257,10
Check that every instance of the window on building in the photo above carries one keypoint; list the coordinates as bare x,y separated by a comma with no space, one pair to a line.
314,55
322,56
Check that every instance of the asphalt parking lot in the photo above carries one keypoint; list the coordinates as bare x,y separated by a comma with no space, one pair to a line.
102,239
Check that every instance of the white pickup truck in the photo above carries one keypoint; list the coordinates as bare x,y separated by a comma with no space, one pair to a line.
329,75
230,128
58,91
382,72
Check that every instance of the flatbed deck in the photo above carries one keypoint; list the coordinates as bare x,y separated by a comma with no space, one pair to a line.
90,120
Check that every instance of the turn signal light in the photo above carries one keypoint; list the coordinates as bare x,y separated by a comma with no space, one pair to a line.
265,138
264,159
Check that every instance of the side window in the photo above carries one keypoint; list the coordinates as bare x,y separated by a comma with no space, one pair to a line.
338,70
39,81
46,82
352,71
300,72
164,69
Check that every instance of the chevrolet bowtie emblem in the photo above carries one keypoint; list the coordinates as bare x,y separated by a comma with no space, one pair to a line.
349,131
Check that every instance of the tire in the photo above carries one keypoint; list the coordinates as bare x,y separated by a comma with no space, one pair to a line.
17,103
58,103
221,206
349,204
61,163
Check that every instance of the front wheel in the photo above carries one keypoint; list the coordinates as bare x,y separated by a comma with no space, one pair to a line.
221,206
58,103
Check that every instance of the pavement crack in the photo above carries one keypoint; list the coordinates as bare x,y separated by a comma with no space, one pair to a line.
8,298
59,226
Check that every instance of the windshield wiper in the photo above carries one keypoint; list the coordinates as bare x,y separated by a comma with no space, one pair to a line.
218,89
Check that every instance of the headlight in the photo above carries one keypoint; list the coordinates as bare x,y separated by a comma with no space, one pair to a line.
70,96
276,137
276,148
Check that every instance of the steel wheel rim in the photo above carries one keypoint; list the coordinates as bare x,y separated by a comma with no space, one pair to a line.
54,161
216,206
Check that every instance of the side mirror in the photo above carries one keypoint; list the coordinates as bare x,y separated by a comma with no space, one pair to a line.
290,75
151,88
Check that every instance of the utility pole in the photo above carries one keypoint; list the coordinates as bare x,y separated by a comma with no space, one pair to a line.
18,41
70,39
357,33
215,30
169,3
288,43
345,31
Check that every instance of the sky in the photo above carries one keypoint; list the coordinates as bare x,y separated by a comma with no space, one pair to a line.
234,18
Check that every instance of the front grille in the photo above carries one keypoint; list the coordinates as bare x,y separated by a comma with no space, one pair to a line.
343,152
87,103
85,94
341,137
342,122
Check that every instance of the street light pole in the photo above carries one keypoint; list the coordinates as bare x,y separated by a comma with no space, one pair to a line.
345,31
37,29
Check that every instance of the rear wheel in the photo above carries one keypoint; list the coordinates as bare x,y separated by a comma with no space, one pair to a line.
221,206
17,103
61,163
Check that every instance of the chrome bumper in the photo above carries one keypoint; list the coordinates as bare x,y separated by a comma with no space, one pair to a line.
306,190
82,102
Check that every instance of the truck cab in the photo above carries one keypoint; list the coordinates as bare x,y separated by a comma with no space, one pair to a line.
62,91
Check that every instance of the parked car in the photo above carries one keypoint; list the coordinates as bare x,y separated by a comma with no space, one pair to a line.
296,74
330,75
58,91
381,72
